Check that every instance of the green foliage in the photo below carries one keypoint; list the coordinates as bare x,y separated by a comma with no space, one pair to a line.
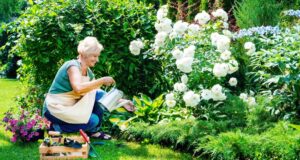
280,142
260,117
49,34
203,5
290,4
9,8
250,13
276,69
147,109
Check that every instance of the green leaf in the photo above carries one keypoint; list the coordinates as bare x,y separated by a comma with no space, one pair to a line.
137,102
114,120
147,100
297,127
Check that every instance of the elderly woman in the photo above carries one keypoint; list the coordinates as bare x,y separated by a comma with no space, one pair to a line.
71,103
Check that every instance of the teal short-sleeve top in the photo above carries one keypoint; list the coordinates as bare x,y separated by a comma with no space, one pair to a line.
61,82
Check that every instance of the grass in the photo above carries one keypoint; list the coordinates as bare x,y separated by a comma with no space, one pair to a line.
111,150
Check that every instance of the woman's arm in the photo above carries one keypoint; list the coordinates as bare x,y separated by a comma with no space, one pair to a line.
84,87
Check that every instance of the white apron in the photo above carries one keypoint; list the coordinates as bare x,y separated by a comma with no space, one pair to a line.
70,107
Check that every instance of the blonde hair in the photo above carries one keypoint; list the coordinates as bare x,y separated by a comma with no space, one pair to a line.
89,45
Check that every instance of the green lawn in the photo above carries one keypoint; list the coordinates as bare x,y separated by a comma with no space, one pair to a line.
112,150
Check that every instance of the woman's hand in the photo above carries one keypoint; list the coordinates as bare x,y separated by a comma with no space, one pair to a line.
107,81
128,106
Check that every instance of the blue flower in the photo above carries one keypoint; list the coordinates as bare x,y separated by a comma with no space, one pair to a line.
263,30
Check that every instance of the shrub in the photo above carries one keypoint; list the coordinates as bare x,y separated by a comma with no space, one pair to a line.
250,13
280,142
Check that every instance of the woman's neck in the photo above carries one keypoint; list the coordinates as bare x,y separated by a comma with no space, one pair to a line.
83,65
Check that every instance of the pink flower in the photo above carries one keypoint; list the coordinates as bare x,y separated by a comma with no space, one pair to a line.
36,133
13,139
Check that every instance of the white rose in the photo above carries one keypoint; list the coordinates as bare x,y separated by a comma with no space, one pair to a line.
233,81
214,37
223,43
206,94
191,99
219,97
251,101
170,96
162,12
170,103
243,96
250,47
134,51
225,55
180,87
185,64
19,62
164,25
177,53
233,66
160,38
193,29
184,79
220,13
173,35
180,27
220,70
136,46
216,89
202,18
189,52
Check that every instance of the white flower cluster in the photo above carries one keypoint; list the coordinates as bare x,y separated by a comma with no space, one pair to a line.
184,60
202,18
136,46
160,38
220,13
170,100
248,99
181,87
222,69
163,26
250,47
193,29
222,42
191,98
215,93
180,27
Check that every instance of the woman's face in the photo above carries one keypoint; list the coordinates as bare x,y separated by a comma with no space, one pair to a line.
91,59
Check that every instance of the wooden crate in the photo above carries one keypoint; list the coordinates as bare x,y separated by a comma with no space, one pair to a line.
62,152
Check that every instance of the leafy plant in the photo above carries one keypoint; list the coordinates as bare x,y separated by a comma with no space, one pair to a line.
147,109
276,69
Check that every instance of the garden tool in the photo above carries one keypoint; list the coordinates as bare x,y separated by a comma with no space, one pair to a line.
87,140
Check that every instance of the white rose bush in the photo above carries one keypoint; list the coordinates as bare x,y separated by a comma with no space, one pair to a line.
197,58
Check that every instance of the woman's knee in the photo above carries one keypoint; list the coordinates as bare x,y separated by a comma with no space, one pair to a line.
99,94
94,120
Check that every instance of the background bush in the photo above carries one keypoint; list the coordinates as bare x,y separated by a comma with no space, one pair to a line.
250,13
